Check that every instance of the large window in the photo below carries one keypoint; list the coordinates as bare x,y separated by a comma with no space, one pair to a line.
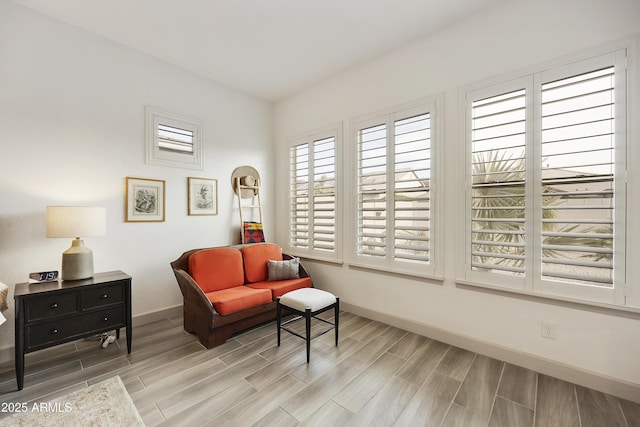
313,201
546,188
394,191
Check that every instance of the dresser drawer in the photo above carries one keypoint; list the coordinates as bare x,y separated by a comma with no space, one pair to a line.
47,333
104,319
51,305
102,296
50,332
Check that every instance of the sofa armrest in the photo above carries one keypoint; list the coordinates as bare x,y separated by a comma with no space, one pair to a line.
193,295
302,272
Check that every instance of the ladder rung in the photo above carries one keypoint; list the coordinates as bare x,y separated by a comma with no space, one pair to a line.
256,192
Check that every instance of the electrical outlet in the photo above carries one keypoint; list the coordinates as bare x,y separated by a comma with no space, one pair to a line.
549,330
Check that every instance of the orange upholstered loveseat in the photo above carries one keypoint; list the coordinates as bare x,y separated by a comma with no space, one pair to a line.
229,289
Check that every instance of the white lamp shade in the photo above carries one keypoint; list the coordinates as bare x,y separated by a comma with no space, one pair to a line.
76,221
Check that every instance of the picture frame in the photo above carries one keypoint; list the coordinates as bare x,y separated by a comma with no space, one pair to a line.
145,200
202,196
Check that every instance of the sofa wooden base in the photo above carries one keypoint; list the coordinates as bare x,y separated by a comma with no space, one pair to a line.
219,334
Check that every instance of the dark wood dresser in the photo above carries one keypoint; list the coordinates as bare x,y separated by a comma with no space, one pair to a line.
53,313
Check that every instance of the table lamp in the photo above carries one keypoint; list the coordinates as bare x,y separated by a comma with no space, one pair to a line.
76,221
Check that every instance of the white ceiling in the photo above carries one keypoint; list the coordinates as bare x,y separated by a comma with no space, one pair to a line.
267,48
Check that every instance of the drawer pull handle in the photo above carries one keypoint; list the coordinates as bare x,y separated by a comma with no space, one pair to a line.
54,331
105,296
105,319
54,305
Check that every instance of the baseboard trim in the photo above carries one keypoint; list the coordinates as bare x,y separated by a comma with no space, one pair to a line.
7,353
605,384
154,316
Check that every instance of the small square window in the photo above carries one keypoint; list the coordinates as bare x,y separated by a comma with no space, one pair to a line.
174,140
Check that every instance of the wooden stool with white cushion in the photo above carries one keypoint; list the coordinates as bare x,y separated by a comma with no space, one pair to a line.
307,303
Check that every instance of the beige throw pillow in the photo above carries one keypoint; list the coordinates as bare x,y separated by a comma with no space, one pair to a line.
283,270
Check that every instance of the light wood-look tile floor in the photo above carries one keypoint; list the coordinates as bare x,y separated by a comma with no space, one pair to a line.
378,375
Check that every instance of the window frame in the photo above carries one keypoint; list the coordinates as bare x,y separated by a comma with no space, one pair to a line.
158,156
310,252
532,282
432,105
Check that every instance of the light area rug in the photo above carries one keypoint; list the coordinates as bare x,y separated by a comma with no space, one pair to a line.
103,404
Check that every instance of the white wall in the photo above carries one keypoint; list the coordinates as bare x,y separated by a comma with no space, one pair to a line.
514,36
72,128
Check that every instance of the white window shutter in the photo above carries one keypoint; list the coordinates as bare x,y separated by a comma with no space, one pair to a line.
578,165
393,179
313,196
412,181
498,171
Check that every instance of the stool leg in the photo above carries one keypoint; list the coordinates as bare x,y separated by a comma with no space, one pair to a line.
278,318
307,315
337,315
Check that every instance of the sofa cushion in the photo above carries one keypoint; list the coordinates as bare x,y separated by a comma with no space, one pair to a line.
231,300
281,287
215,269
283,270
255,260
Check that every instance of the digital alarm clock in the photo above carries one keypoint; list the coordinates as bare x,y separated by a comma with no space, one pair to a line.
43,276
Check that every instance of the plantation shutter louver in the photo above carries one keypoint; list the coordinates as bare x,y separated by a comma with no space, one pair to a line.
371,191
324,194
171,138
299,197
578,163
412,159
313,195
498,169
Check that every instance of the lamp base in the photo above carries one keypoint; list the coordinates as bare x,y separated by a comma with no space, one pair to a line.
77,261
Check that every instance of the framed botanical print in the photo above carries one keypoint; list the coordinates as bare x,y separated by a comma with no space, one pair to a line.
145,200
203,196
